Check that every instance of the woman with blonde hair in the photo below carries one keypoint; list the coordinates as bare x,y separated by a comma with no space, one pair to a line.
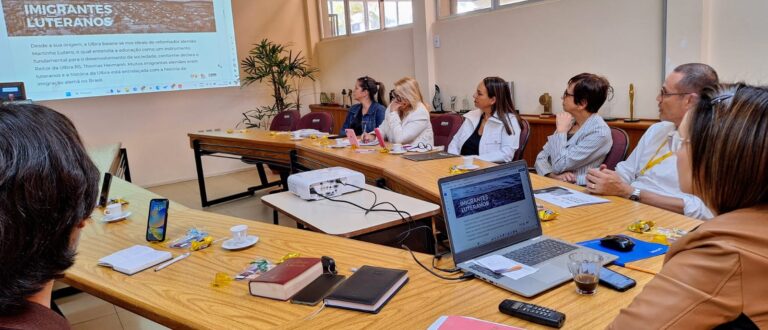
714,277
407,119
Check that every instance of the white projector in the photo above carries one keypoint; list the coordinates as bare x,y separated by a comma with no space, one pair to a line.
328,182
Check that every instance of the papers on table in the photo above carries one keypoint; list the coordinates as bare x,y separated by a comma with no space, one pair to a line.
565,198
505,266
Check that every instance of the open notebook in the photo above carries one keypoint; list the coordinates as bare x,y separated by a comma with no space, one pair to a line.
134,259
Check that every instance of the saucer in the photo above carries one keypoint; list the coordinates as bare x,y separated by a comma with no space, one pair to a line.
295,139
468,168
397,152
230,244
339,146
121,216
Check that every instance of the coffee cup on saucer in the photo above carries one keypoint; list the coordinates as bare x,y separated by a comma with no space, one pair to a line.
469,161
240,238
113,210
397,148
239,233
296,135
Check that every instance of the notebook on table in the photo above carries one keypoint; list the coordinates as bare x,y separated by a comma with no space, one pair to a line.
429,156
368,289
492,212
134,259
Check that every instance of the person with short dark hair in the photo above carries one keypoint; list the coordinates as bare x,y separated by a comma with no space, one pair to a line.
714,277
492,131
649,175
48,189
368,114
582,139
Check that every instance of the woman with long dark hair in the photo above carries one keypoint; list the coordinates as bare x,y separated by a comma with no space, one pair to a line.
368,114
492,131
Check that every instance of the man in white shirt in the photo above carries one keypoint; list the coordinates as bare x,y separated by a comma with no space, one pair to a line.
649,175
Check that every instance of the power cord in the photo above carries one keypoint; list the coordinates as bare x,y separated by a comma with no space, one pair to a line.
465,277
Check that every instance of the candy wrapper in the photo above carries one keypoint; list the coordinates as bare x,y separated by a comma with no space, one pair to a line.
254,269
193,234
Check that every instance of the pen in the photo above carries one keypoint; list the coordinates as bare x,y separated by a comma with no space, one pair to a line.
169,262
647,271
511,269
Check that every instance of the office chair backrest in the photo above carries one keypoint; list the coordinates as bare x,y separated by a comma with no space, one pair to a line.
525,132
445,127
320,121
619,149
287,120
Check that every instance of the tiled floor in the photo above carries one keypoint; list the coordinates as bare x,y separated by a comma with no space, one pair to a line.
86,312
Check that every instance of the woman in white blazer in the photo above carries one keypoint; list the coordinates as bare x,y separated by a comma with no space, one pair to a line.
407,119
492,131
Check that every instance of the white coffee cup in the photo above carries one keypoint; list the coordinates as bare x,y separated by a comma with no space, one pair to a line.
469,161
340,142
397,147
239,233
113,210
296,135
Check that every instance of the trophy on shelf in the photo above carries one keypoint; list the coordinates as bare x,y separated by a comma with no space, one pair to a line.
546,101
349,93
453,104
631,118
343,98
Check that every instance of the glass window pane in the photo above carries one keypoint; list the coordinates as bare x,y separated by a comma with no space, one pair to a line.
405,12
374,19
336,24
465,6
506,2
356,16
390,13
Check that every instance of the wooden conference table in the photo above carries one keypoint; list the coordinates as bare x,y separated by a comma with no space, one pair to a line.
181,296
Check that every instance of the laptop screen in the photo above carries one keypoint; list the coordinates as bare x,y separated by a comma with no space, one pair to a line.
489,209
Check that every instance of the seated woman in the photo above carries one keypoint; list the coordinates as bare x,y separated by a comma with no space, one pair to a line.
492,131
581,139
407,119
368,114
714,277
48,188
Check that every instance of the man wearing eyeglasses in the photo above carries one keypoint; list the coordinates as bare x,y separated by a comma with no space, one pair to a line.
649,175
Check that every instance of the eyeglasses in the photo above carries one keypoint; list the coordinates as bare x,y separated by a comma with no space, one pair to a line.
664,93
566,94
420,147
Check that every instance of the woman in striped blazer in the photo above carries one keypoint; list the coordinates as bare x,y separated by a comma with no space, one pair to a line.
581,139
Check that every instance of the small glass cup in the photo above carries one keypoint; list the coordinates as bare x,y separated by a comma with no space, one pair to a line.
585,268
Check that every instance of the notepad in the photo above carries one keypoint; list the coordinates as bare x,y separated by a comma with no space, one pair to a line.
368,289
134,259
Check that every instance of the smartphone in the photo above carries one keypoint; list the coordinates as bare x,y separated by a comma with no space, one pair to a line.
616,281
157,220
104,195
380,138
317,290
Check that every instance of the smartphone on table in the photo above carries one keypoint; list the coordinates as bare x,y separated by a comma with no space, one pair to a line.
616,281
157,220
317,290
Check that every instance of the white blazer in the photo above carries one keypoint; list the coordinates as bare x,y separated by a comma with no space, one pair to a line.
495,144
414,129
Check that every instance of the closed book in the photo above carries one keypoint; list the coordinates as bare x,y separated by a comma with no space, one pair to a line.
287,278
368,289
134,259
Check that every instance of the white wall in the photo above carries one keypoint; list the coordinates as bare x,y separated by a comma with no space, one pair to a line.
737,45
154,126
541,45
383,55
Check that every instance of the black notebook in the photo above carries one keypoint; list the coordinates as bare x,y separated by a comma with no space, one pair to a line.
429,156
368,289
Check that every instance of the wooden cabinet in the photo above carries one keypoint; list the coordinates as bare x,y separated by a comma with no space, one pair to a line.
541,128
337,112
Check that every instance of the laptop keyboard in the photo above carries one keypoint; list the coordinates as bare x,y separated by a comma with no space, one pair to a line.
486,271
536,253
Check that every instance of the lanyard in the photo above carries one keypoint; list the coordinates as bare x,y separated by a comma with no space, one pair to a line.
656,161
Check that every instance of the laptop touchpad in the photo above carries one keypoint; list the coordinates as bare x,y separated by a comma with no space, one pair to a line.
551,273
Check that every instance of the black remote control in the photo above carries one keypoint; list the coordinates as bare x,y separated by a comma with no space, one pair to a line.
532,313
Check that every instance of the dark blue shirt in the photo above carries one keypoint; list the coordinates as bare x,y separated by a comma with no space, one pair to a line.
356,120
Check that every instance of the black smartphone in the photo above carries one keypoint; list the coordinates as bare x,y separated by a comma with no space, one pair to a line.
616,281
317,290
104,195
157,220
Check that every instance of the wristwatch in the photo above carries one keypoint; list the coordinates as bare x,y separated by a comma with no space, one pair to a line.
635,195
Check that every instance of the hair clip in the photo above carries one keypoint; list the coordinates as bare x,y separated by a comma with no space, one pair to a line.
720,98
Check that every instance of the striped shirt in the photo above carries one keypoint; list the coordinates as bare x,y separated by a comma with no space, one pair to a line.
586,149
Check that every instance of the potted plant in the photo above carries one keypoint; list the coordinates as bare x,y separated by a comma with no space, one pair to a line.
283,71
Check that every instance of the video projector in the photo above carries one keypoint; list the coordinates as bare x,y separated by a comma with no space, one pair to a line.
328,182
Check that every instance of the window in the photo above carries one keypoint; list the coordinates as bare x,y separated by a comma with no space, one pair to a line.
448,8
345,17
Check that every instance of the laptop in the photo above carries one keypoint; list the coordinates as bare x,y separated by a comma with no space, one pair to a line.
493,212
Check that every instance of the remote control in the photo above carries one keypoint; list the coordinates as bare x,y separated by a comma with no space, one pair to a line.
532,313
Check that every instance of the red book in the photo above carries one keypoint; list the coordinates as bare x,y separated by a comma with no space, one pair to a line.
283,281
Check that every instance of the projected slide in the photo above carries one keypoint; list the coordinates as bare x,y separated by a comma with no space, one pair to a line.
68,49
